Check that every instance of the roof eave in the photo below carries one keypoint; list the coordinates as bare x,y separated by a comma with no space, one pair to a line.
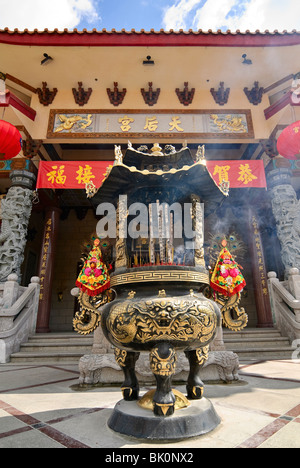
151,38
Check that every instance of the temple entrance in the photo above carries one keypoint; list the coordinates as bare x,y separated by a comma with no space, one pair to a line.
78,221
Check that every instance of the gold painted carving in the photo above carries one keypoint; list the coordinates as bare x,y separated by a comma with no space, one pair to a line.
118,155
202,355
178,319
146,401
233,317
120,356
159,275
230,123
121,259
137,123
131,294
197,218
162,366
129,389
161,293
89,316
67,123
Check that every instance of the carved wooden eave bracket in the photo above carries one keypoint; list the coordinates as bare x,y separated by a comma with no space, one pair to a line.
270,147
150,96
255,94
81,95
186,96
221,95
31,147
115,96
46,96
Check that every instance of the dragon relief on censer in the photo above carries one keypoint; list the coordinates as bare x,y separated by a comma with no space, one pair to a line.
153,301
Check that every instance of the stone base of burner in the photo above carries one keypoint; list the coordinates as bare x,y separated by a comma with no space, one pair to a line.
221,366
129,419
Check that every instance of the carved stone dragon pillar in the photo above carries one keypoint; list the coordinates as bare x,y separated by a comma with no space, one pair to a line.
286,210
15,214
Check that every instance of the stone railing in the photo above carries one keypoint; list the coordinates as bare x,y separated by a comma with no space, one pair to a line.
18,313
285,302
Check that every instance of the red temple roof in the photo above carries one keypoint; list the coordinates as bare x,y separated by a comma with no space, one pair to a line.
153,38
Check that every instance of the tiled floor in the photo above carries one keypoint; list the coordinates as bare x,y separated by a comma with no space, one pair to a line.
41,407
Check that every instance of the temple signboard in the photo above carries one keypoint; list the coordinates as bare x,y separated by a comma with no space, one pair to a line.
74,123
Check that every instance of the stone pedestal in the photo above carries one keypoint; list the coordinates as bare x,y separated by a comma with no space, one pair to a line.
197,419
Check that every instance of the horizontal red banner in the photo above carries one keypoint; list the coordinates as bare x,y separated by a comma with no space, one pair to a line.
71,174
76,174
239,174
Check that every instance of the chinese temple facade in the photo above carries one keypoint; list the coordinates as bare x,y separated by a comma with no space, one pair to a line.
76,96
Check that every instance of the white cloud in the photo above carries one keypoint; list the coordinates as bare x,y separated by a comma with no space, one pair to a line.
41,14
233,15
210,17
175,16
268,14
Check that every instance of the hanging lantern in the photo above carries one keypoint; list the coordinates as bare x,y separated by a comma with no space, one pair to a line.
10,140
288,143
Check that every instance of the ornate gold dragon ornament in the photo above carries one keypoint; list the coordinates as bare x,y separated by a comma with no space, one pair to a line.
87,319
229,123
234,317
158,319
68,122
94,285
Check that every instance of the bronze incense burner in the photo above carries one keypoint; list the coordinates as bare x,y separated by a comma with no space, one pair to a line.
153,203
160,269
161,317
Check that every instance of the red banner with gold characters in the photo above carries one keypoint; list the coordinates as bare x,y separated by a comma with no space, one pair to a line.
71,174
76,174
239,174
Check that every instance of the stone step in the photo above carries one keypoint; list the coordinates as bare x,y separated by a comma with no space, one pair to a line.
251,333
251,343
257,343
54,347
261,343
58,337
58,343
59,346
45,357
264,353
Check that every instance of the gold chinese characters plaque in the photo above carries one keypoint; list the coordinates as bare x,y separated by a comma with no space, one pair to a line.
74,123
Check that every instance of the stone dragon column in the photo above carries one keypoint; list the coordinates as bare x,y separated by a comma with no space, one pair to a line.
286,210
15,213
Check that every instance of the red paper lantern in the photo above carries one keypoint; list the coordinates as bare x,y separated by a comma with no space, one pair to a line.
10,140
288,143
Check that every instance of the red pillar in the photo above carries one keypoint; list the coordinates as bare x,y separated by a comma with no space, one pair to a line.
46,268
259,274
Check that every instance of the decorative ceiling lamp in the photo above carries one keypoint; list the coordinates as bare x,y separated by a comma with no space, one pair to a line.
288,143
10,140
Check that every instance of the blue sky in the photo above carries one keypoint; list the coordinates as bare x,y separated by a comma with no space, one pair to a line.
128,14
151,14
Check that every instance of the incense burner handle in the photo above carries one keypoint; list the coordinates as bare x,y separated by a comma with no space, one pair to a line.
88,318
